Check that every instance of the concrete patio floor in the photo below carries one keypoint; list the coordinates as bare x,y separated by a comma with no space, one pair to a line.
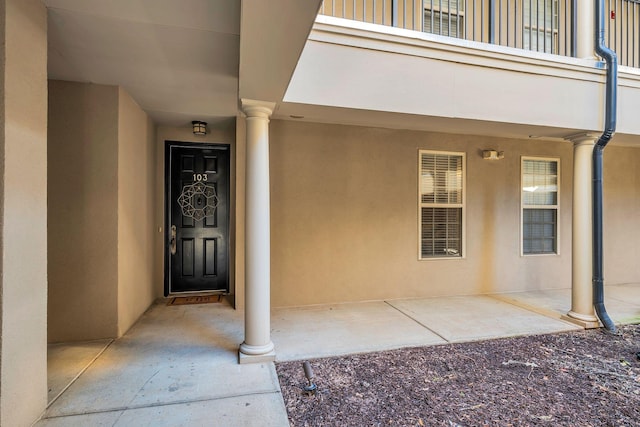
178,365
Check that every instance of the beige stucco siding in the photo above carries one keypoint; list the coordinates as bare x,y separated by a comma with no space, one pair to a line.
345,216
136,225
101,185
83,199
621,215
23,211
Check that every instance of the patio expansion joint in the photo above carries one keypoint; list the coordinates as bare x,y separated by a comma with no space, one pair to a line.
417,321
159,404
82,371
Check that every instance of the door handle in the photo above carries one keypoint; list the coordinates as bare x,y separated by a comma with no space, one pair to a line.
172,242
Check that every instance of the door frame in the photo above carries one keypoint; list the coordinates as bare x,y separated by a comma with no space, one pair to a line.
167,213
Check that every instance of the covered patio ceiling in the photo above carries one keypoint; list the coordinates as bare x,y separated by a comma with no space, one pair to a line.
178,59
181,60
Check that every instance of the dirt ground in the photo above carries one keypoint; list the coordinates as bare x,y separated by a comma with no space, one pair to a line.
589,378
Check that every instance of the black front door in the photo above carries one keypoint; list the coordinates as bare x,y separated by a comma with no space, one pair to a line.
197,212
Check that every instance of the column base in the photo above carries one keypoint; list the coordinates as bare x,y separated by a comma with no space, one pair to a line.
584,320
256,353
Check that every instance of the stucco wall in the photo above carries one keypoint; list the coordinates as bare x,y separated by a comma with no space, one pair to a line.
240,167
83,200
101,211
136,225
23,211
621,215
344,219
223,133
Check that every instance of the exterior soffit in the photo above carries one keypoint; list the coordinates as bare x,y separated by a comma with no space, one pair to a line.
546,83
178,60
272,36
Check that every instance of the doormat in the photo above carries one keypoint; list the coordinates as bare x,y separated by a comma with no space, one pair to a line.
201,299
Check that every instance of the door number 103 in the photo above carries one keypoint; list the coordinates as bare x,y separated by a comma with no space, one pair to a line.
199,177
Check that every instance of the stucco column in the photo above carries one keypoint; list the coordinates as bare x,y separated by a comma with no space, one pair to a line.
582,311
23,211
585,31
257,345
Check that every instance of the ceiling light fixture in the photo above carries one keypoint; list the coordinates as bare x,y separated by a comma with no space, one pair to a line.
199,128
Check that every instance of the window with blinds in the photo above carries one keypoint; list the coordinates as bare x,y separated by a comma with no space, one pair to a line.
540,205
444,17
441,201
541,22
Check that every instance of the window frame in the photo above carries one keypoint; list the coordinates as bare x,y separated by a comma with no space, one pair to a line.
442,9
557,206
534,29
463,206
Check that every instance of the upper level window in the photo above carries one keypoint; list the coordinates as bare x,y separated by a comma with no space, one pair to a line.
540,205
444,17
541,22
441,201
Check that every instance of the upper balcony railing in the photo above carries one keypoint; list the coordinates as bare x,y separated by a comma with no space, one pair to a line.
623,30
538,25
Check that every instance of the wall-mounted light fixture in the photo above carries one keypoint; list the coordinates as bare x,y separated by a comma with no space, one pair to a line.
492,155
199,128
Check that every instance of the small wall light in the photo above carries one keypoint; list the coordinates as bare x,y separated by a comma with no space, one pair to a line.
492,155
199,128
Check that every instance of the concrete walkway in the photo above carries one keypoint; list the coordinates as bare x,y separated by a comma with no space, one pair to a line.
178,365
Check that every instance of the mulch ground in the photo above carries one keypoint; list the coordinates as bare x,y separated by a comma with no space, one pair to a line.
589,378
